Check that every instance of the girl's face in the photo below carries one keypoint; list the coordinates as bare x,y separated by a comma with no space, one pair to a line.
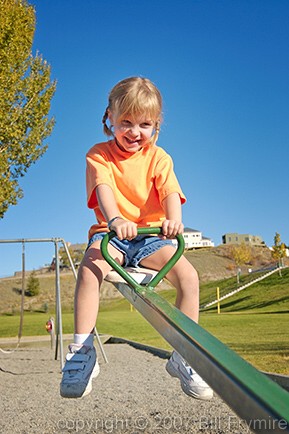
132,133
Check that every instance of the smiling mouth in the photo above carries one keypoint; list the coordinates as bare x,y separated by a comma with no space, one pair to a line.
132,142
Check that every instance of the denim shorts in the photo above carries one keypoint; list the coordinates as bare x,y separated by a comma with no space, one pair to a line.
134,250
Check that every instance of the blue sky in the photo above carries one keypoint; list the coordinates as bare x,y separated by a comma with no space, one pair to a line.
223,70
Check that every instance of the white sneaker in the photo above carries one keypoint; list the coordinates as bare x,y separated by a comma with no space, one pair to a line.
192,384
80,368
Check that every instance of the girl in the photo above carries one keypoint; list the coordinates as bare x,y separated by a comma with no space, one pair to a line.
130,184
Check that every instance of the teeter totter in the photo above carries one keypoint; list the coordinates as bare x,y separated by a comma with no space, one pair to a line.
254,397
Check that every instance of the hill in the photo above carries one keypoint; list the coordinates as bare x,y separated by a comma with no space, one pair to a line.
217,263
266,296
212,264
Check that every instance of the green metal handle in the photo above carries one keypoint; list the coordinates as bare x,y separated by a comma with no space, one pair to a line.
127,277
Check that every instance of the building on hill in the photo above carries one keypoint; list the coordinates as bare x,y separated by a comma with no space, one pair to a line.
207,242
195,240
250,240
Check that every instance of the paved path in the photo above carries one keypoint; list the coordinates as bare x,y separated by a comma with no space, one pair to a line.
132,394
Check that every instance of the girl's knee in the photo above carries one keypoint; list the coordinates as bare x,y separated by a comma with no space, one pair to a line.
89,273
185,278
188,272
194,274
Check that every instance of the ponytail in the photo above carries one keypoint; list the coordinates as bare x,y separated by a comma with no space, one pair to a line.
107,130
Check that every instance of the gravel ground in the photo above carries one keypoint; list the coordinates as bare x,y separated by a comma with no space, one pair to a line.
132,394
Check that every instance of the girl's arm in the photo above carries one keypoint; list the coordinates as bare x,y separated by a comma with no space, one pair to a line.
172,225
108,206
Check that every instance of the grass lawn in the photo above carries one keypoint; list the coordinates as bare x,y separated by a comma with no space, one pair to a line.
254,323
260,338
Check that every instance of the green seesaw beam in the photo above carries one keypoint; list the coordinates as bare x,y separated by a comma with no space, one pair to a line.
256,399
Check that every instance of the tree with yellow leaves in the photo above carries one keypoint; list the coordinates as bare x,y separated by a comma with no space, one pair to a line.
241,254
25,95
279,252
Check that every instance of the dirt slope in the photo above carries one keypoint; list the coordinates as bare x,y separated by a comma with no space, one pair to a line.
211,264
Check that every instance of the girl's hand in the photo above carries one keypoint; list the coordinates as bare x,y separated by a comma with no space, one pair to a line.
171,228
125,230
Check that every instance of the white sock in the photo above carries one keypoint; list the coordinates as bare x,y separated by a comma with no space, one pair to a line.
84,339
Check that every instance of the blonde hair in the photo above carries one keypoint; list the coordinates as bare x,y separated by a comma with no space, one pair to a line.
134,96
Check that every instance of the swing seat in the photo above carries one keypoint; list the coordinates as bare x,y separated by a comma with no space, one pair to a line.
141,275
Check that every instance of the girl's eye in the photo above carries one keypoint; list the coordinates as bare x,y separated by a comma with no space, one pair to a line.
128,124
125,123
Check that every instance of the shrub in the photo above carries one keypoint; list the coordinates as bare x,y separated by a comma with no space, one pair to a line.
33,285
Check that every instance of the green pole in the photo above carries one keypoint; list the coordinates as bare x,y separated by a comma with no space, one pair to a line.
127,277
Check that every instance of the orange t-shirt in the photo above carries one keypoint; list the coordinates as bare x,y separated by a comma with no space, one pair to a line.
139,181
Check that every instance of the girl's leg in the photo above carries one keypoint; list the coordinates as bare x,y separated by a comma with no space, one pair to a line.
81,364
91,273
184,278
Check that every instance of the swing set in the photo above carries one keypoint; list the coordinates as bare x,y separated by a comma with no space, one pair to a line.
50,325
